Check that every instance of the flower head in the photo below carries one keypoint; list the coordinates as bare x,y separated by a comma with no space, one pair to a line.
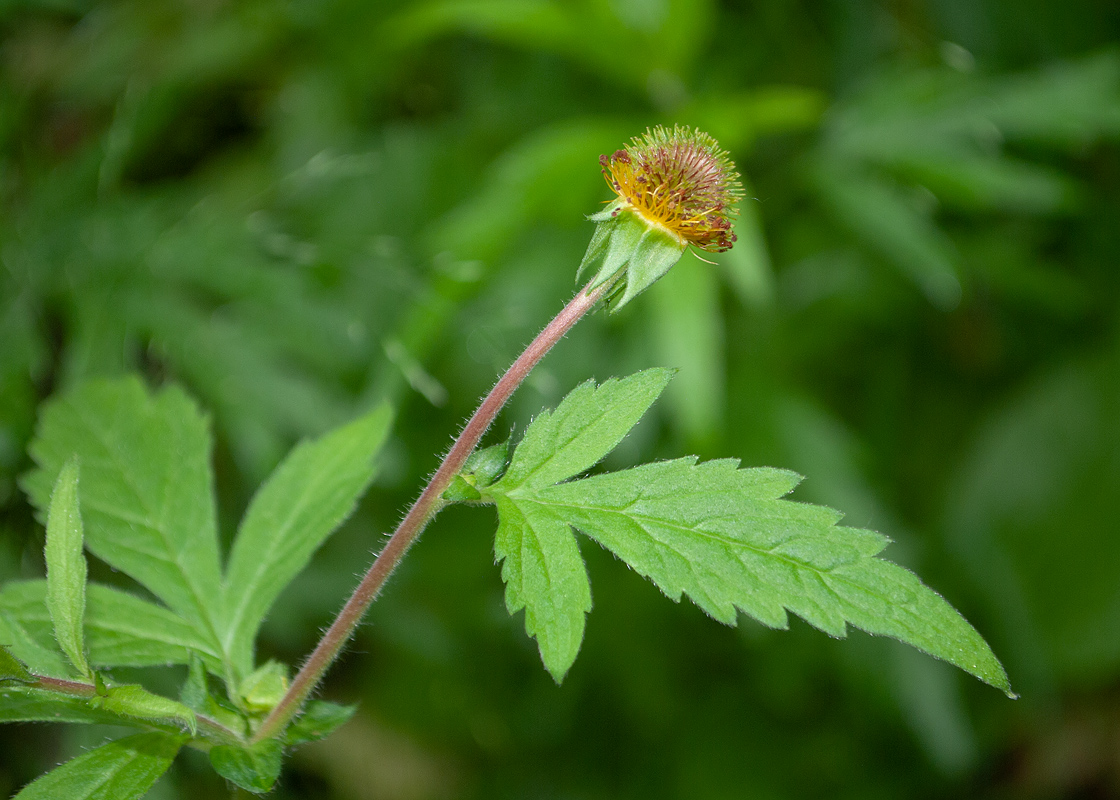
675,188
681,181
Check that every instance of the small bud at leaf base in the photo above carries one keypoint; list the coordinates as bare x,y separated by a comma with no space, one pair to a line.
675,189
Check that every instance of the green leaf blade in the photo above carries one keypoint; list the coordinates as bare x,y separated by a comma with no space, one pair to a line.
308,496
254,769
148,502
545,575
724,537
12,669
588,424
66,567
122,770
122,630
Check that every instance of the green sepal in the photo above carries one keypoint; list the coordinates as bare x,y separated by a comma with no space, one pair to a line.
254,769
655,254
133,700
626,231
319,720
634,253
12,670
606,220
265,687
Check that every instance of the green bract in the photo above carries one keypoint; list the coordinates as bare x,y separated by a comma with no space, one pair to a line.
634,253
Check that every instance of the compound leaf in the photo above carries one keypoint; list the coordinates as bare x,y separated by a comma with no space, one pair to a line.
66,567
721,535
304,501
121,770
148,502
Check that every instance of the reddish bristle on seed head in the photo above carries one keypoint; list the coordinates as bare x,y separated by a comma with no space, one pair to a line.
679,180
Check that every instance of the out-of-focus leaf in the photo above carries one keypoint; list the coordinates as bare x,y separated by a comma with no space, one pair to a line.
121,770
882,215
305,500
1045,462
66,568
686,327
147,488
254,768
973,182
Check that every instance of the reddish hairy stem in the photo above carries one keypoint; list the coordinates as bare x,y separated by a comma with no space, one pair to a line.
420,514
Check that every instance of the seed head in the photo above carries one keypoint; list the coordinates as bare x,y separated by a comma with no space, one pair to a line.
681,181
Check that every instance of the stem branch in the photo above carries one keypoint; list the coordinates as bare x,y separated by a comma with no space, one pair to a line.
420,514
87,690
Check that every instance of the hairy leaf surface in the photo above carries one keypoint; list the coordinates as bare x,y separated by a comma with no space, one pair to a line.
541,564
121,629
308,496
721,535
121,770
724,537
147,497
66,568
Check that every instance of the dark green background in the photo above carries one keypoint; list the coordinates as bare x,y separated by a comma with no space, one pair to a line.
297,207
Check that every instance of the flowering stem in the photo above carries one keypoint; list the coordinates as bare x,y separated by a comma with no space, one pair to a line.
420,514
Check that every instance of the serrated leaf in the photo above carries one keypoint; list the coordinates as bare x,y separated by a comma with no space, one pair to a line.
304,501
319,720
723,536
121,770
66,567
545,575
133,700
11,669
255,769
122,630
148,503
588,424
541,565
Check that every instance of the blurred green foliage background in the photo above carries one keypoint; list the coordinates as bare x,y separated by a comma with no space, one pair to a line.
298,207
